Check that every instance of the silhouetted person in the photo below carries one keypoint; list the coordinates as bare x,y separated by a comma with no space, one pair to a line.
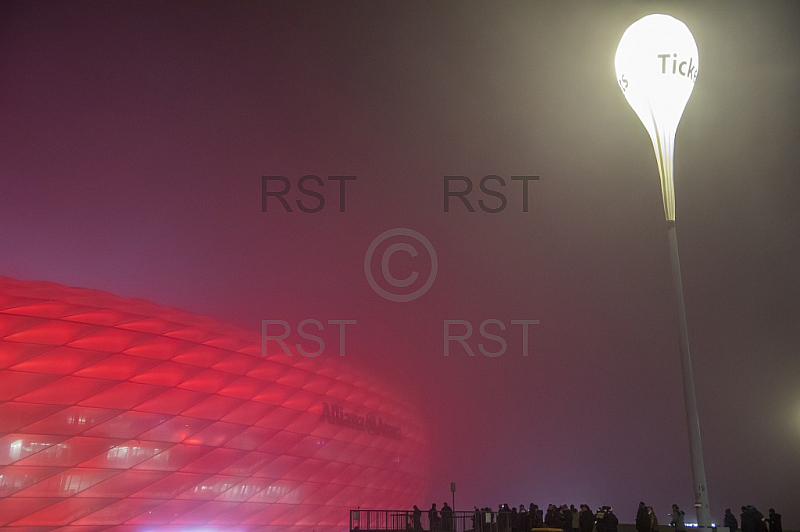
652,519
585,519
730,520
677,519
532,512
433,517
774,521
611,520
417,519
566,518
748,525
756,519
558,517
549,517
642,520
538,516
503,518
600,519
489,520
447,517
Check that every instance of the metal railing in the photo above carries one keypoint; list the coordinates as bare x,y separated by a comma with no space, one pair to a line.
476,521
395,520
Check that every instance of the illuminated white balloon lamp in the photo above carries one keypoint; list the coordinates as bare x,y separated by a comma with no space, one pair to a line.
657,65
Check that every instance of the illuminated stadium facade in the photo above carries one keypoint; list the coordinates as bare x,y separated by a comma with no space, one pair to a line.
117,414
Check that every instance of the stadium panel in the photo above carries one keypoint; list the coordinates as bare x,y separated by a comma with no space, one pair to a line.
118,414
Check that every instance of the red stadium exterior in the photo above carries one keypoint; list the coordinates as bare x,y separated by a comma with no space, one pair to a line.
117,414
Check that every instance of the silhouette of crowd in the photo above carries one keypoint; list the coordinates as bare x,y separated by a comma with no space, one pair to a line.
512,519
567,518
753,521
438,520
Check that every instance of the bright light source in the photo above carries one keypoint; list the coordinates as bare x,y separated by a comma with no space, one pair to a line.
656,66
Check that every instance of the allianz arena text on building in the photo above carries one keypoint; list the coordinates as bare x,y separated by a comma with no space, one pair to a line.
117,414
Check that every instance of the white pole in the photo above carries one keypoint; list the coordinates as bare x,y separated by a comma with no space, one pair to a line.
689,396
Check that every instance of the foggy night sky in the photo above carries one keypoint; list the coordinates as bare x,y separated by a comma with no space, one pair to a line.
133,141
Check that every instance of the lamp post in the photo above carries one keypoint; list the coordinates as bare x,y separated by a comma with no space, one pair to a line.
656,65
